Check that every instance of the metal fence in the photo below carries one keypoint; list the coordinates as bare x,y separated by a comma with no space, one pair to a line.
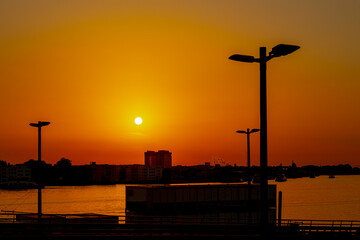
303,225
311,226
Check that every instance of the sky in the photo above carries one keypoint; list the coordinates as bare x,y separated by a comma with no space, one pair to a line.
91,67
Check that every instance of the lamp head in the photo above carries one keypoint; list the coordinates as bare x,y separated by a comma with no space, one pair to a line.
242,58
283,49
39,124
239,131
44,123
254,130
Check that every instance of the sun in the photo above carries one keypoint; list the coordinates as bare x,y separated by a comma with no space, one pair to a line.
138,120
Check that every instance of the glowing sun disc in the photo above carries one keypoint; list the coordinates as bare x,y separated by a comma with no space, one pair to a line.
138,120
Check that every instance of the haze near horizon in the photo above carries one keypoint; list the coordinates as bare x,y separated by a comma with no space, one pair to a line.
90,68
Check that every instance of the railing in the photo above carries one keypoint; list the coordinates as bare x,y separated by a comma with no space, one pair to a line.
125,218
311,226
302,225
7,218
201,220
72,225
21,217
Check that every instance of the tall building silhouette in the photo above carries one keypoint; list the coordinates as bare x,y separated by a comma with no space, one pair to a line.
162,159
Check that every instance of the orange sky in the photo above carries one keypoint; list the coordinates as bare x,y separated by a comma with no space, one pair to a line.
91,67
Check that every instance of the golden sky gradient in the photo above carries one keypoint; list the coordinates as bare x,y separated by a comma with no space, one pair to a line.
90,67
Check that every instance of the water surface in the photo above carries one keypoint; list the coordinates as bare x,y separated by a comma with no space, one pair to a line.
304,198
321,198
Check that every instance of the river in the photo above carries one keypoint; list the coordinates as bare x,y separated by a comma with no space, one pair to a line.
304,198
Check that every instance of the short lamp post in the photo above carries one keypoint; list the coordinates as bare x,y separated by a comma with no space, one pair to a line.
248,132
277,51
39,125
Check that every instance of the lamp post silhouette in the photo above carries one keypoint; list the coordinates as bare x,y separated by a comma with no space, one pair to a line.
277,51
248,132
39,125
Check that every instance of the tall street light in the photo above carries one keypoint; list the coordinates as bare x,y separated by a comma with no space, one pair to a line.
39,125
277,51
248,132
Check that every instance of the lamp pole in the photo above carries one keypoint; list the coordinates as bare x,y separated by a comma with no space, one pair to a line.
277,51
264,215
248,132
39,125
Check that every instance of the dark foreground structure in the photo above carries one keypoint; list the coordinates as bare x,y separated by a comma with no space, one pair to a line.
202,203
94,226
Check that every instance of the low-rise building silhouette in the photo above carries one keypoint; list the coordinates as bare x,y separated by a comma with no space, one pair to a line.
105,173
141,173
18,172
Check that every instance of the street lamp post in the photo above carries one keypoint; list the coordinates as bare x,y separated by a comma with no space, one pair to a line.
39,125
277,51
248,132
